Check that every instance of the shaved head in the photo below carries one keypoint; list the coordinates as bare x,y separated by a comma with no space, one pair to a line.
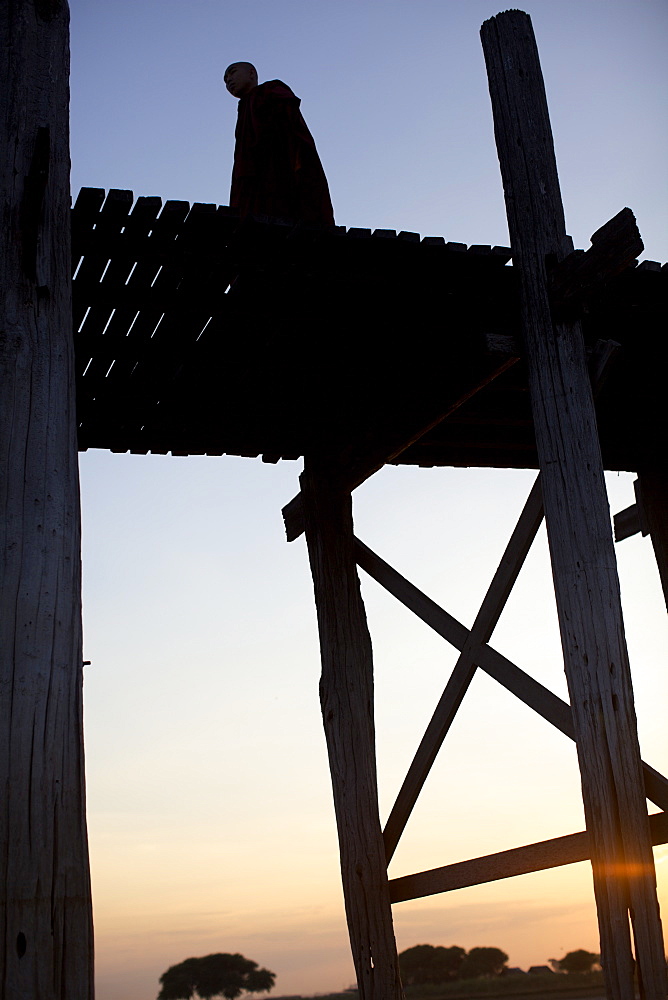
240,78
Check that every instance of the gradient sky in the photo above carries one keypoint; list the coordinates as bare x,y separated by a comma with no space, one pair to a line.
210,814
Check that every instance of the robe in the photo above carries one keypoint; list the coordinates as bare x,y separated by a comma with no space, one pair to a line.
277,170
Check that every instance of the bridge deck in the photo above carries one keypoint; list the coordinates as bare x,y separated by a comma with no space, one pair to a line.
195,334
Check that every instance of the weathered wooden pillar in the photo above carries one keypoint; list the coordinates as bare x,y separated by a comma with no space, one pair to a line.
578,523
346,696
45,908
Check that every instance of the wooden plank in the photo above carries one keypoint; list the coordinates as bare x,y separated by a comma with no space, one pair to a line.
46,931
346,696
507,864
134,369
128,283
578,521
110,221
357,467
171,343
85,212
627,523
503,670
105,326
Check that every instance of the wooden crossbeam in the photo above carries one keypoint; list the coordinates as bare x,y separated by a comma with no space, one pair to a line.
534,694
507,864
361,463
614,246
632,519
627,522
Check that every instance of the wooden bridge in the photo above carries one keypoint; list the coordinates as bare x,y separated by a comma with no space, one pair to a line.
197,334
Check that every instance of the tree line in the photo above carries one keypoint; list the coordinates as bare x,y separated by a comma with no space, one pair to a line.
425,963
221,975
228,976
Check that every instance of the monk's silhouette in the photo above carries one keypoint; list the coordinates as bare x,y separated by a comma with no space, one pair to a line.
277,171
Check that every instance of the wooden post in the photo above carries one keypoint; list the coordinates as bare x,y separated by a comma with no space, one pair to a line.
45,907
578,523
346,696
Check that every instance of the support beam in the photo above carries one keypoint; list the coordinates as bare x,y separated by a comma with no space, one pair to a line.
627,522
578,522
45,905
358,464
507,864
346,695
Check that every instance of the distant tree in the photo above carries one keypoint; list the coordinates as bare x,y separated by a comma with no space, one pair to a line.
425,963
220,975
576,961
483,962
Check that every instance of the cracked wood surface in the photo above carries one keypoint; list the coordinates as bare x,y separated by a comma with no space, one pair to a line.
346,697
578,522
45,907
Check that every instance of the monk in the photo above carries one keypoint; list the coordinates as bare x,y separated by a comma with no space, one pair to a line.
277,170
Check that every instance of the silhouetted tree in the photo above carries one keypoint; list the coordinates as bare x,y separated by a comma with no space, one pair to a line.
425,963
576,961
220,975
483,962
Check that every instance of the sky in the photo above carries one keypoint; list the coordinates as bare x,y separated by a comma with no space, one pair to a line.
210,814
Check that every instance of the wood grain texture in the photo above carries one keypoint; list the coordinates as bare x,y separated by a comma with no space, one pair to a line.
578,522
346,695
507,864
45,908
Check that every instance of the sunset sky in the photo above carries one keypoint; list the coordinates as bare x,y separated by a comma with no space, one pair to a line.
210,814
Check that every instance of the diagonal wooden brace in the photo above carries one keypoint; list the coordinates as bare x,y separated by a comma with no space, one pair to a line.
534,694
360,464
485,622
